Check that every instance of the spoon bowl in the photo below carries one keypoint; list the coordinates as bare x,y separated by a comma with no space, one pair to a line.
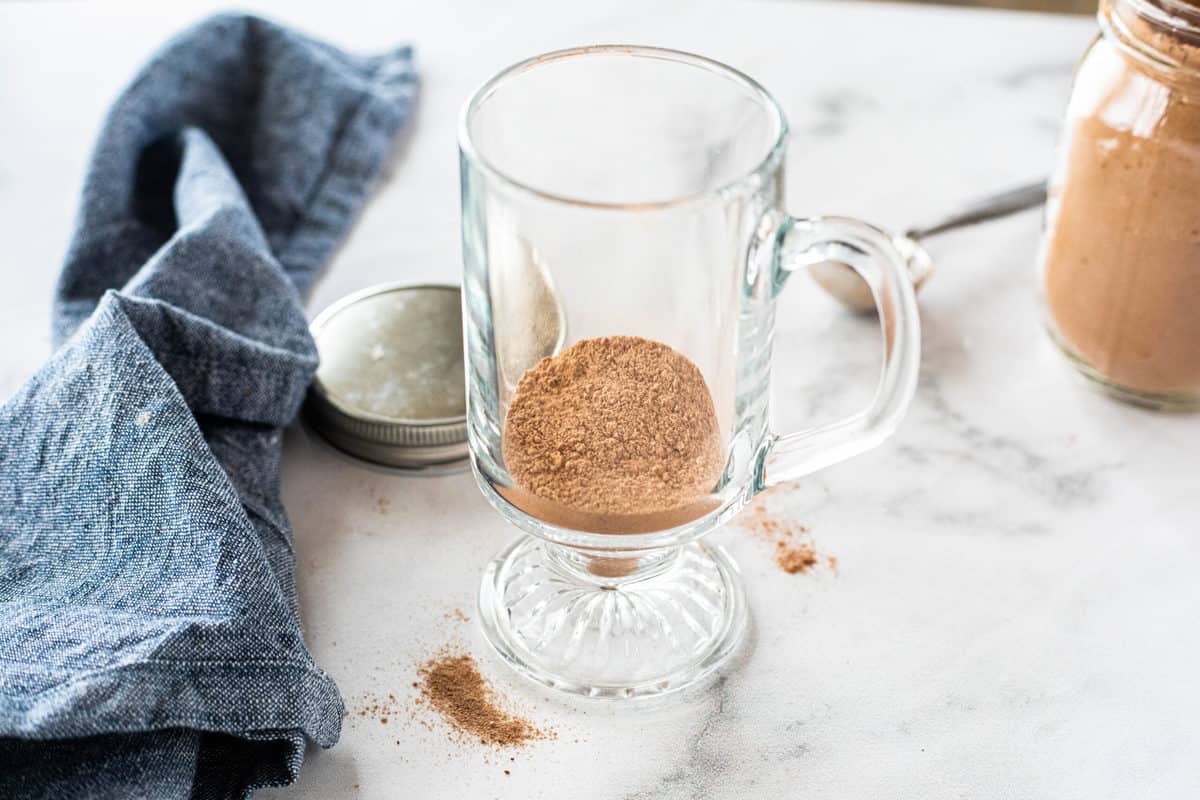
850,290
844,284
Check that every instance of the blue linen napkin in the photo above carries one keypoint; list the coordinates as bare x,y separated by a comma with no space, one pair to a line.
149,636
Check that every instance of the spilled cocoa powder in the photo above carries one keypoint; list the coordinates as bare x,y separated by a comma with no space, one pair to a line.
378,708
795,551
452,685
616,434
795,558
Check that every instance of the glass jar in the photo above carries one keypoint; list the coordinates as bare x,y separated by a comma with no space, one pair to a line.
1120,262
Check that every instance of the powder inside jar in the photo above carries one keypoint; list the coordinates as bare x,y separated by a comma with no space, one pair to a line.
616,434
1121,262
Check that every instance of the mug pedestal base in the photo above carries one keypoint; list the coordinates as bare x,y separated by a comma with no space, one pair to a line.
590,626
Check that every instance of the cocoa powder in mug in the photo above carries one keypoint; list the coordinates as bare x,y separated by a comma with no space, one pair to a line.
616,434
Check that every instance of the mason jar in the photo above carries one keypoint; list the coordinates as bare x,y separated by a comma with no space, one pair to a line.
1120,262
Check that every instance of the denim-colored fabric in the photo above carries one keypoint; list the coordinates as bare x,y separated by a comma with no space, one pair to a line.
149,636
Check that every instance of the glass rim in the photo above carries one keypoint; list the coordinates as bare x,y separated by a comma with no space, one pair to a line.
473,154
1175,17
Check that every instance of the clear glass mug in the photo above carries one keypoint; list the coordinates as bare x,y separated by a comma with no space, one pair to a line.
637,191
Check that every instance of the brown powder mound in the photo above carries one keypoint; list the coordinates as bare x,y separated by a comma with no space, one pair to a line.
452,685
617,426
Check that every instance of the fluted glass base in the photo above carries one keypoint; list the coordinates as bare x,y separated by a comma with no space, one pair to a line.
599,625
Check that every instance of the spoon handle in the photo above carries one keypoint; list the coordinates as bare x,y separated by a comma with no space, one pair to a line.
998,205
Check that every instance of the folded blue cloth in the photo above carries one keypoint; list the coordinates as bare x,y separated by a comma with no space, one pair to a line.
149,636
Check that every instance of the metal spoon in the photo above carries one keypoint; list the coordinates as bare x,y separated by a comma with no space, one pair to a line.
847,287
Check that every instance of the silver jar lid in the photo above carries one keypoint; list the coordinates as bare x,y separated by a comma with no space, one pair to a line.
391,388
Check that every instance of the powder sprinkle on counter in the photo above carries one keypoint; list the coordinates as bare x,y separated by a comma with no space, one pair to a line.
795,558
795,551
452,685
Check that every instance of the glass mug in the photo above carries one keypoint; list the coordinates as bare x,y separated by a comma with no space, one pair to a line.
637,191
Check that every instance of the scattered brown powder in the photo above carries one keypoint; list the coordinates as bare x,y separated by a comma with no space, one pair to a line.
382,504
616,434
377,707
799,557
452,685
456,615
795,552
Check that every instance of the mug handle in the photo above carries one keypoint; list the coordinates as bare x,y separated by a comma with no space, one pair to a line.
802,243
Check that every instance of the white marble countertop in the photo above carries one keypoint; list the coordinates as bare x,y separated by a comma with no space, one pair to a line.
1015,612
